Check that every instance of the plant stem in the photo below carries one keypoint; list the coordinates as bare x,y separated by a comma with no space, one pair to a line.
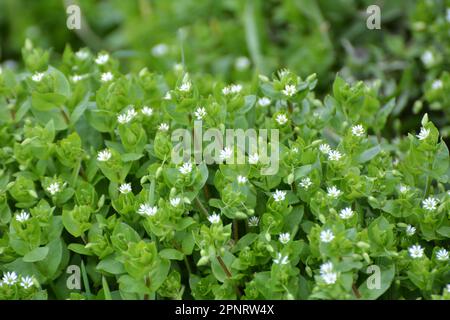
356,291
235,231
228,273
201,207
147,284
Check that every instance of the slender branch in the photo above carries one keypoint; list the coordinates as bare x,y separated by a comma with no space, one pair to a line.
356,291
235,231
201,207
228,274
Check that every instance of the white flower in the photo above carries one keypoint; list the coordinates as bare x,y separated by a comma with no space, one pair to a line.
200,113
423,134
430,203
104,155
358,130
329,278
280,259
326,267
82,54
282,73
447,17
26,282
334,155
127,117
242,63
214,218
410,230
160,50
253,221
37,77
147,210
253,158
9,278
289,90
346,213
437,84
415,251
281,119
174,202
442,255
102,58
23,216
295,150
448,285
333,192
324,148
427,58
234,88
147,111
185,86
326,236
106,76
178,67
264,101
279,195
226,153
404,189
53,188
305,183
241,179
284,238
186,168
75,78
163,127
131,113
125,188
167,96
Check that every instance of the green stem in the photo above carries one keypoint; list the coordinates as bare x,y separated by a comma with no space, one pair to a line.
201,207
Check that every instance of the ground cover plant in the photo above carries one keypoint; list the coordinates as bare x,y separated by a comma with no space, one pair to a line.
89,187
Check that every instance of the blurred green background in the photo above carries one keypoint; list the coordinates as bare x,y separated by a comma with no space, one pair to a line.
235,39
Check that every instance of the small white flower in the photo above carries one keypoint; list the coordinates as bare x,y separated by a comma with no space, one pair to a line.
334,155
147,111
200,113
329,278
75,78
26,282
437,84
346,213
242,179
442,255
280,259
123,118
185,86
404,188
106,76
326,267
167,96
253,221
125,188
82,54
174,202
279,195
324,148
160,50
295,150
410,230
53,188
253,158
235,88
226,153
305,183
333,192
163,127
9,278
104,155
242,63
282,73
423,134
358,130
264,101
281,119
186,168
430,203
427,58
214,218
23,216
37,77
178,67
326,236
289,90
284,238
131,113
102,58
147,210
415,251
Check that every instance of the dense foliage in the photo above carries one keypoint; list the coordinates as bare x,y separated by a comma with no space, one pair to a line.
88,179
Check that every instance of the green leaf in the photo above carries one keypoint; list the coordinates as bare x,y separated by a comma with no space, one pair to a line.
171,254
37,254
